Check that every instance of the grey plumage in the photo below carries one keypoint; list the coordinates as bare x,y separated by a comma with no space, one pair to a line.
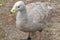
33,16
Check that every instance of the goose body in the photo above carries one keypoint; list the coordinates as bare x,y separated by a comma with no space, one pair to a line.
33,16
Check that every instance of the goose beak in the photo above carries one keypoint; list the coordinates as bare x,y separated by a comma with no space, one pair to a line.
13,10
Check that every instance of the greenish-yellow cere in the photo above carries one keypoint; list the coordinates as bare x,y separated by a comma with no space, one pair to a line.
13,10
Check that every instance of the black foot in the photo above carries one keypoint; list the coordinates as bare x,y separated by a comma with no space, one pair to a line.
29,38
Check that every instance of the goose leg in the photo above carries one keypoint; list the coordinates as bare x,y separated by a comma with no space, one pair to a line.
39,38
29,38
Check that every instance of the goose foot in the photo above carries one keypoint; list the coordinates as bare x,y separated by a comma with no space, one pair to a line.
29,38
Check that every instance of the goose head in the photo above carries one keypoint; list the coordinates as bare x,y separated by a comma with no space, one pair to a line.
18,6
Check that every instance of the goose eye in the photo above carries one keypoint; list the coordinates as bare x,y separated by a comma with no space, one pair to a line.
18,6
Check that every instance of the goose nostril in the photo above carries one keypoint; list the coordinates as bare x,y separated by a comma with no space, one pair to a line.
13,10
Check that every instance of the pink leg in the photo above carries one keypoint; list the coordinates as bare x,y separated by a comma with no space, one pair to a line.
40,35
29,38
28,34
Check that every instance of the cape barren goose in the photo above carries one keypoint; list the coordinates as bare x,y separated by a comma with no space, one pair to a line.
31,17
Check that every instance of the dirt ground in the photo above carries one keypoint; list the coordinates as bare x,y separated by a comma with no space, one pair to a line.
7,23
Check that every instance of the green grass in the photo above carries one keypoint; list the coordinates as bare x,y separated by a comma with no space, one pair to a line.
1,1
2,11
